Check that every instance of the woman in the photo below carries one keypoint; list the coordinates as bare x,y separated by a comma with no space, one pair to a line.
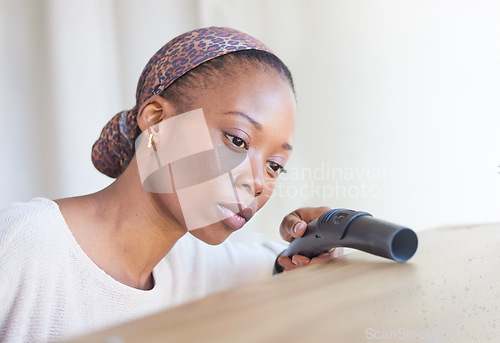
79,264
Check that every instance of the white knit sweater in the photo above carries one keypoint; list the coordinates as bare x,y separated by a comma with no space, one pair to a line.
50,289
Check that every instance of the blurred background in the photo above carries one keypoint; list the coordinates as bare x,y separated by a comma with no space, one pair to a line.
399,106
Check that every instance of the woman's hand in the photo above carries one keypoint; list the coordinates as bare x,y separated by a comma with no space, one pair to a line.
294,226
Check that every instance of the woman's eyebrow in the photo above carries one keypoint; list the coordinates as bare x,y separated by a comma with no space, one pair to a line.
257,125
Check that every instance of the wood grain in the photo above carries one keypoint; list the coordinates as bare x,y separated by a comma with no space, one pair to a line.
448,292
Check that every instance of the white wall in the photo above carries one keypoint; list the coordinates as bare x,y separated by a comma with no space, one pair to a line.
398,100
67,67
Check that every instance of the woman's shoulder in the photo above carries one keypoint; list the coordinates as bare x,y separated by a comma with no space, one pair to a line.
24,222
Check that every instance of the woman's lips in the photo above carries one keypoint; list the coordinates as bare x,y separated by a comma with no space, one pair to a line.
233,219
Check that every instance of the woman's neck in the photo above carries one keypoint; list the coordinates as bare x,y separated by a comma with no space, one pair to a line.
122,230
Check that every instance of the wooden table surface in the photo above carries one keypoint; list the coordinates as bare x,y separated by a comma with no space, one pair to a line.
448,292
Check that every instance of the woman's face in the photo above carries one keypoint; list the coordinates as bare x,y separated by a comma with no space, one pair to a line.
251,111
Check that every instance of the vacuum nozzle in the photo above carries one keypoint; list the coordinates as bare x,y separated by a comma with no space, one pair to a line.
354,229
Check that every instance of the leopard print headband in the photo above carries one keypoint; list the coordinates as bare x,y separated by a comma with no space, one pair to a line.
115,147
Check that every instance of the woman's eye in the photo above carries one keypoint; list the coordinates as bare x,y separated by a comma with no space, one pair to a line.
278,169
237,141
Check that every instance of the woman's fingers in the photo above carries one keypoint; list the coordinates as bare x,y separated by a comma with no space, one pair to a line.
295,262
328,255
298,261
294,224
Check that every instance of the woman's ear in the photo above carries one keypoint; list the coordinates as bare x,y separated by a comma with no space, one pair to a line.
154,110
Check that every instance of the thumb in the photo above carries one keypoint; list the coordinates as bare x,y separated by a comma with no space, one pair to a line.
292,227
298,229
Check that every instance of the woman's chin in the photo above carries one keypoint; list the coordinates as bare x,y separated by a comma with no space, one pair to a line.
213,234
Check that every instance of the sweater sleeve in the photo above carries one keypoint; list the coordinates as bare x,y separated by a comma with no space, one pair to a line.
31,259
18,265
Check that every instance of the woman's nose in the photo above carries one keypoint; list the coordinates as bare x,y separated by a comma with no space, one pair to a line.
251,179
256,189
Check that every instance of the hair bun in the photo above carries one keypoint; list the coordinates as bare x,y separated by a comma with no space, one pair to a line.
114,149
